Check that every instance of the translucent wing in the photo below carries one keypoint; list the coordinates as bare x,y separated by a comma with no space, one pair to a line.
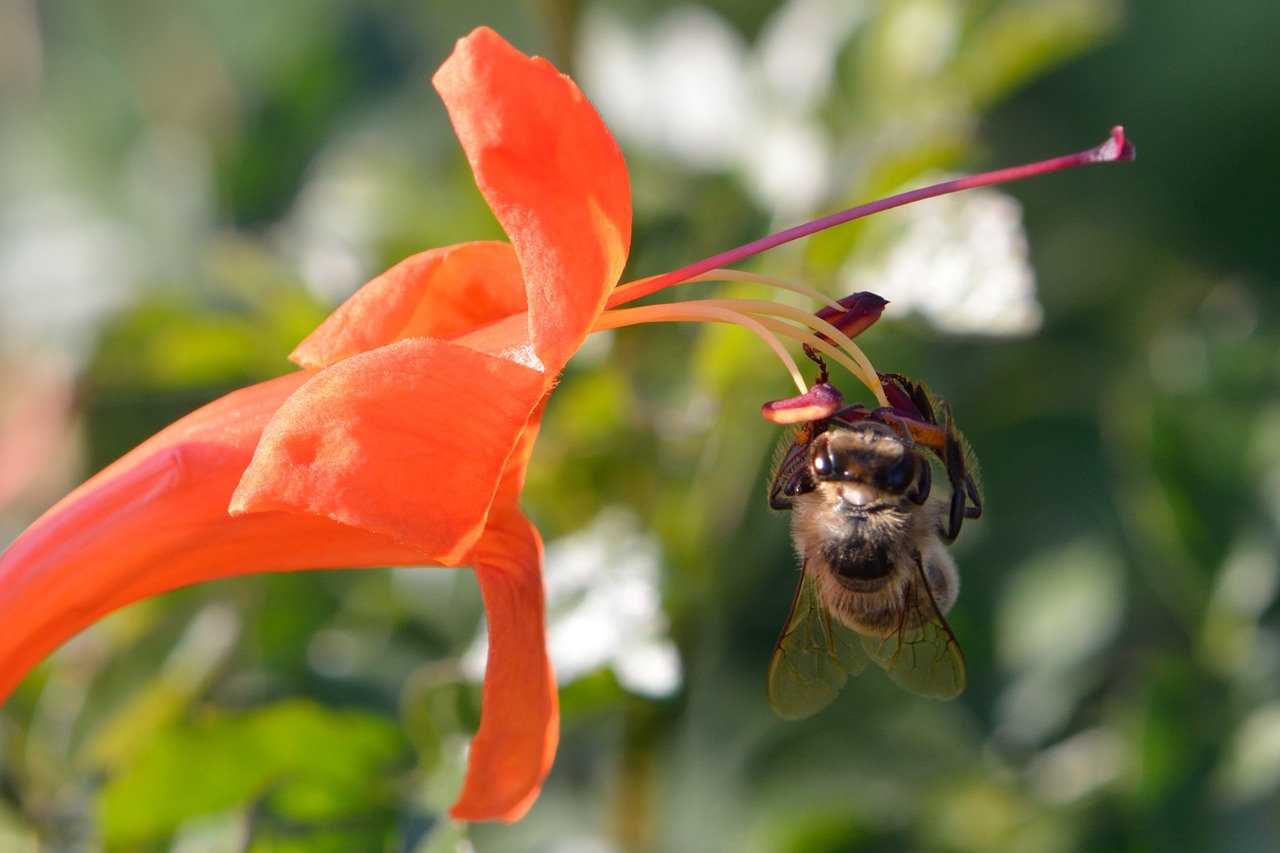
813,659
925,659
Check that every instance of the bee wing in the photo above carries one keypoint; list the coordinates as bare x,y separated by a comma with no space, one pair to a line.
925,659
813,659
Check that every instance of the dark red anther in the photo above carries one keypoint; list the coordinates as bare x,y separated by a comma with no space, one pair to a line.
861,310
821,401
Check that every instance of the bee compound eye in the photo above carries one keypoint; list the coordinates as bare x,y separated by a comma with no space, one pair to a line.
823,464
899,475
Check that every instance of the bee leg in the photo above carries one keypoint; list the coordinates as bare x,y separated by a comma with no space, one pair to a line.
942,579
924,483
778,499
792,475
962,486
975,498
921,398
905,394
786,486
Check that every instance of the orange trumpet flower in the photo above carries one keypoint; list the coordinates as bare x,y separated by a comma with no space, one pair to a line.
429,381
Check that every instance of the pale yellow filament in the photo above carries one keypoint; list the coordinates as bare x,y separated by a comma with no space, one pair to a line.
864,370
699,312
766,319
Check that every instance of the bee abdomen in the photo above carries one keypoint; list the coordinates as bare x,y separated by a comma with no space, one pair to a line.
860,560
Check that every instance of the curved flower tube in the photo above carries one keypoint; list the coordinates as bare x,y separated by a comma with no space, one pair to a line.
431,379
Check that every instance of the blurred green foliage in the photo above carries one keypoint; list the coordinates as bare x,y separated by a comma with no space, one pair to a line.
187,188
270,760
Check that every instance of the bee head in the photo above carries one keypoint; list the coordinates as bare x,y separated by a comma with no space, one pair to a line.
867,454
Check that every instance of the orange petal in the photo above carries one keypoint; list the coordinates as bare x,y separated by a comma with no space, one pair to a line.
554,177
408,440
157,520
441,293
519,716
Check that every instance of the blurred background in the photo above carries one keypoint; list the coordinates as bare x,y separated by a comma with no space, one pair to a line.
187,188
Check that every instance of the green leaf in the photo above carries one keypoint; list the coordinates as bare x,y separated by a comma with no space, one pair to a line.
294,760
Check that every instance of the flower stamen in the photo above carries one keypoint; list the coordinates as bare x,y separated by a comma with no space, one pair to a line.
807,325
699,312
766,319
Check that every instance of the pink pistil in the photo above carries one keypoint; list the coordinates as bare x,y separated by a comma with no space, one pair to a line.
1115,148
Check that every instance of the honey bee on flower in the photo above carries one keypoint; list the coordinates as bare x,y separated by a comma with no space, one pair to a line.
876,577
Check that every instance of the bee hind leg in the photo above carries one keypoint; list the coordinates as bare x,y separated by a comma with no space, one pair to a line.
941,576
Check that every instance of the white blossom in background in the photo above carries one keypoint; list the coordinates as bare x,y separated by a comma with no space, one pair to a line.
960,262
680,89
74,253
1058,614
64,268
1074,768
337,219
693,90
1251,768
71,258
604,609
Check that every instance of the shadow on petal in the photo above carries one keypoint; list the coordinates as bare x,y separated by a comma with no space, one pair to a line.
408,440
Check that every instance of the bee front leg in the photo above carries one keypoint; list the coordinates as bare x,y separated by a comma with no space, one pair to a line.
791,468
963,488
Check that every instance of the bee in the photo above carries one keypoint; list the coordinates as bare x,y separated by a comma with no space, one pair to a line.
876,577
